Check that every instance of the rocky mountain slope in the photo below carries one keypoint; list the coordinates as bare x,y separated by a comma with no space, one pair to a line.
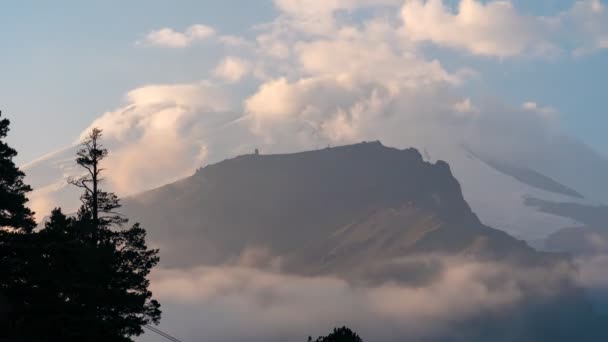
328,210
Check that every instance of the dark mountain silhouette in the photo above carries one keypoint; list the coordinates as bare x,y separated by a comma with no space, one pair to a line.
323,211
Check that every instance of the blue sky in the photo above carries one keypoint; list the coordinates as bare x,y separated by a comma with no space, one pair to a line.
66,63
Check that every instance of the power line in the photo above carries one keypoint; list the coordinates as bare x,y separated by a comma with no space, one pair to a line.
161,333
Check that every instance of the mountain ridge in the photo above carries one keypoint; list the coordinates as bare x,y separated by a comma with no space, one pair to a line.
288,202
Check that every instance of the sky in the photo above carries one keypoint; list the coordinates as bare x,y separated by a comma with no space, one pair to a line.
66,63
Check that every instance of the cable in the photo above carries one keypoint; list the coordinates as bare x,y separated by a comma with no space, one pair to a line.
161,333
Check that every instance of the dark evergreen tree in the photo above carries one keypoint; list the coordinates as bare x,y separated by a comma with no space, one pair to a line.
114,263
82,278
13,212
343,334
15,220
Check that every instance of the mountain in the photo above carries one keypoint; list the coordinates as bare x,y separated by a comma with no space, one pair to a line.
495,184
588,237
366,213
325,211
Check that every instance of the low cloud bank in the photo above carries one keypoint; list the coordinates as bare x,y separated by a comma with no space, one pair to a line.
465,301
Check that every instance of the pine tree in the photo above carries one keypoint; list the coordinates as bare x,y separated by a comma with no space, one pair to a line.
82,278
15,247
13,212
114,263
99,204
343,334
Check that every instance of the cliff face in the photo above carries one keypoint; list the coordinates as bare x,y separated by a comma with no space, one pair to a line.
330,210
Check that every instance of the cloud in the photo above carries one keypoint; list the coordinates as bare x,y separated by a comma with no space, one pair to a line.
229,303
337,87
156,136
547,112
317,16
234,41
465,106
232,69
494,28
337,110
162,133
593,271
499,29
167,37
589,18
373,53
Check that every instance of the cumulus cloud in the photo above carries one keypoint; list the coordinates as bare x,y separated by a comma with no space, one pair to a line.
498,28
341,85
370,54
161,134
167,37
495,28
232,69
157,135
338,110
229,303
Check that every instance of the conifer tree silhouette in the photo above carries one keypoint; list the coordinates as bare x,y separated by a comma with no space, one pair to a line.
342,334
16,226
13,212
82,278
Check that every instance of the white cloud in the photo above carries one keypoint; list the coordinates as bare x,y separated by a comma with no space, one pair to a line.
167,37
465,106
494,28
161,134
233,303
337,86
370,55
547,112
589,21
498,28
156,136
298,7
232,69
317,16
234,41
